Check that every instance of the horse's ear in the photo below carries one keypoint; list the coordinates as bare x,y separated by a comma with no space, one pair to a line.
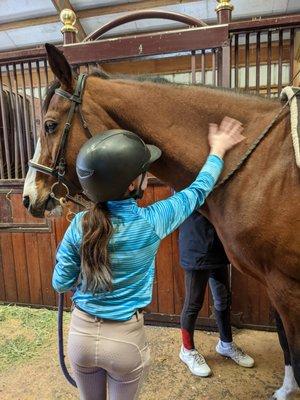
59,65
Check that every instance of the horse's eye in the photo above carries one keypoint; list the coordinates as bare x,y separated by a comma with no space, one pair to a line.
50,126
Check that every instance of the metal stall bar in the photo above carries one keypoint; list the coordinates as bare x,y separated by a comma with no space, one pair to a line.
39,85
26,115
15,137
193,67
292,39
213,66
32,104
236,60
46,72
5,128
203,67
2,174
19,142
247,62
257,61
269,63
280,52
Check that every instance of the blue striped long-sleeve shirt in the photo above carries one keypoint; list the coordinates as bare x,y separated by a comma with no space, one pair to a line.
137,234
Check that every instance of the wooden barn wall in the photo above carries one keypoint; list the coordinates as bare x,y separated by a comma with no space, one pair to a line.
28,245
27,256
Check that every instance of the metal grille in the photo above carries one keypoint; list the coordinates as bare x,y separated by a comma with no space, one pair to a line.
262,61
196,67
22,87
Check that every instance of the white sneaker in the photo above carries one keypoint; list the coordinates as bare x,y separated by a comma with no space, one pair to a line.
236,354
195,361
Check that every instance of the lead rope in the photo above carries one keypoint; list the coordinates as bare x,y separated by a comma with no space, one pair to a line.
61,340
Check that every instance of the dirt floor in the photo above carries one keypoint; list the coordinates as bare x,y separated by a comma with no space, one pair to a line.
39,378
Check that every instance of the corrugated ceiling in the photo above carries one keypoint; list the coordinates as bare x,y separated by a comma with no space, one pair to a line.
15,10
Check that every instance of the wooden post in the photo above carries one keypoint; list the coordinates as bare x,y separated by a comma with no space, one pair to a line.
296,67
68,18
224,11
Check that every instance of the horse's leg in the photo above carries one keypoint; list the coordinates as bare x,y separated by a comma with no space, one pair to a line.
289,383
284,293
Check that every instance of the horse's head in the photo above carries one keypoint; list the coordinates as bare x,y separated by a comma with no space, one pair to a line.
62,134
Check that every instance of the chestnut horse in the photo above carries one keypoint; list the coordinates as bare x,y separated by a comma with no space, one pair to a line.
256,212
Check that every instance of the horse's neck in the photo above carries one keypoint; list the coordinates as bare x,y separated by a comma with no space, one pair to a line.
176,119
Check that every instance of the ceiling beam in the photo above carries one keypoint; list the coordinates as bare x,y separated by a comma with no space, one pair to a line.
93,12
60,5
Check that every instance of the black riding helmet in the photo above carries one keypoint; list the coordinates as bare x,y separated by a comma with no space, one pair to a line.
108,162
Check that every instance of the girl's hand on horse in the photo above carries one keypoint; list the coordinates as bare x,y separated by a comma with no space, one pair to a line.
222,138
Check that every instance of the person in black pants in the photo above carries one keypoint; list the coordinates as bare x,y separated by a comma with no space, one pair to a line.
203,257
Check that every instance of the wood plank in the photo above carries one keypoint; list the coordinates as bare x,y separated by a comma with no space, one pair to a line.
265,308
2,285
34,274
46,267
250,304
8,264
18,243
265,23
59,227
21,271
18,210
53,256
5,208
164,264
147,44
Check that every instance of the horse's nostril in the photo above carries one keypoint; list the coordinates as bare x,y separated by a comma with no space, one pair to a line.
26,201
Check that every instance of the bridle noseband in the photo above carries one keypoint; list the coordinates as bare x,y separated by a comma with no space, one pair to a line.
58,170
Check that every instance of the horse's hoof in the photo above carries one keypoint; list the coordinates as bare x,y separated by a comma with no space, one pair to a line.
276,396
284,396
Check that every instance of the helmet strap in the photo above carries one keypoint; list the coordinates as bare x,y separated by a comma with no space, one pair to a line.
138,193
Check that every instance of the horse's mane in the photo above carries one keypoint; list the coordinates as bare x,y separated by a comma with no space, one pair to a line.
99,73
158,79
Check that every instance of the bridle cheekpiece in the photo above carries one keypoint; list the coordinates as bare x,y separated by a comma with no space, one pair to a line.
59,166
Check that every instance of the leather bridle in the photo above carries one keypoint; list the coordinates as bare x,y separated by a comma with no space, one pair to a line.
59,167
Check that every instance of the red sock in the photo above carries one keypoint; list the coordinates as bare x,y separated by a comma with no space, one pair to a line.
187,339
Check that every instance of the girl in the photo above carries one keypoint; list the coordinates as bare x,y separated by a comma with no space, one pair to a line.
107,255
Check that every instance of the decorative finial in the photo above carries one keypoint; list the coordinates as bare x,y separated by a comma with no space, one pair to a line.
224,5
68,18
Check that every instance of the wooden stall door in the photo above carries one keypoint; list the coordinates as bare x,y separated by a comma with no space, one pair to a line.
250,304
27,252
27,256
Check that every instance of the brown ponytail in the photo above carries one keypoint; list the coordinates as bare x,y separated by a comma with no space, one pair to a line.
97,230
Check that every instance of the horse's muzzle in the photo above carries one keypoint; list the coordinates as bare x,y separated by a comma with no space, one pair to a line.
38,211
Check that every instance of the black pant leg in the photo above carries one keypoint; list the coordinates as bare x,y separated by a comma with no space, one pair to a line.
220,288
195,285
